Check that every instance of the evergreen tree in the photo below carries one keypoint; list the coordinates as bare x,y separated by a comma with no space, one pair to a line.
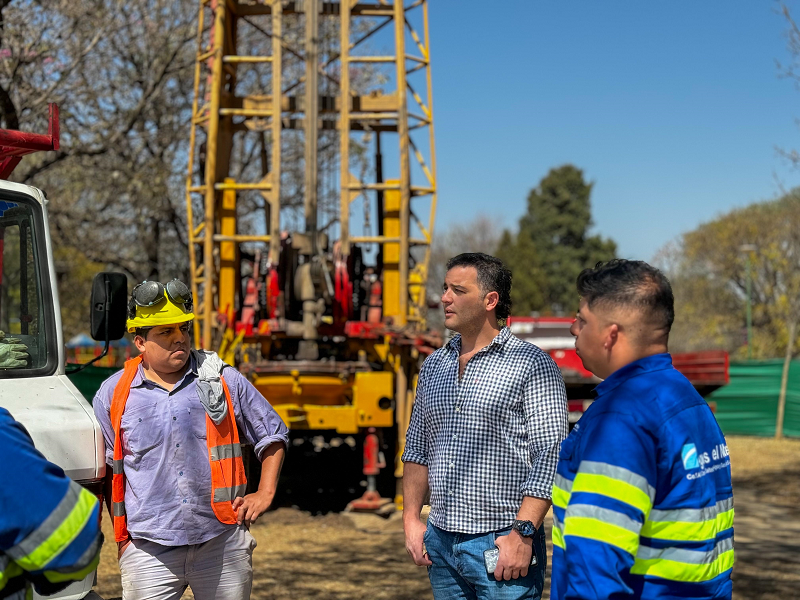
529,281
553,245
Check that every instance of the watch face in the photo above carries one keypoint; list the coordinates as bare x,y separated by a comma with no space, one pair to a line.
525,528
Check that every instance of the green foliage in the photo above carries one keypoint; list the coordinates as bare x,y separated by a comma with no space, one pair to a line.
708,271
553,246
529,279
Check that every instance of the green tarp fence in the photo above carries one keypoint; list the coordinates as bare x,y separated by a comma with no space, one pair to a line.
749,404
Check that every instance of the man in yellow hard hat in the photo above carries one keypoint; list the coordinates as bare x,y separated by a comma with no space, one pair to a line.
177,487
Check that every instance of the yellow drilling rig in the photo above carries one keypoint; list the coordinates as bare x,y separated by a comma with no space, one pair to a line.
311,195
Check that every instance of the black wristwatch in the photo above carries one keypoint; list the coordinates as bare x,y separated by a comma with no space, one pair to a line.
524,528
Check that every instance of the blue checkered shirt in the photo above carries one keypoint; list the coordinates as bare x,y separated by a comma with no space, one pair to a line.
490,438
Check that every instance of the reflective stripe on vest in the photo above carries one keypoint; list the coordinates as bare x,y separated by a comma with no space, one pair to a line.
8,570
228,479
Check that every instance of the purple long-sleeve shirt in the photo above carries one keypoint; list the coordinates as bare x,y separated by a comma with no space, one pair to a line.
167,472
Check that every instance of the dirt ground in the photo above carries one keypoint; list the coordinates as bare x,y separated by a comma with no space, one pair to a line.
340,557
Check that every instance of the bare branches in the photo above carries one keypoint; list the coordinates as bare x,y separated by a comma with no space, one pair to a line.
791,70
121,73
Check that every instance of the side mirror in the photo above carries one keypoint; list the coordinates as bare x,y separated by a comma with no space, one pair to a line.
109,306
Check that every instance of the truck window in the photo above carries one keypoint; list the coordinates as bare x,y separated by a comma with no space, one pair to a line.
20,283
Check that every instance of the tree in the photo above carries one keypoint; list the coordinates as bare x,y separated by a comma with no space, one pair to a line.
553,244
709,312
708,271
529,279
122,74
791,69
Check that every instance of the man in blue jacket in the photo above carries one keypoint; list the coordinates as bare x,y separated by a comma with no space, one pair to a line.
49,525
642,499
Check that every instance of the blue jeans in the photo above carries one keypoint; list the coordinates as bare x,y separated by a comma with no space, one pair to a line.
458,570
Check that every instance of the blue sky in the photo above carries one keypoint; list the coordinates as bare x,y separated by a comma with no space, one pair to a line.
673,109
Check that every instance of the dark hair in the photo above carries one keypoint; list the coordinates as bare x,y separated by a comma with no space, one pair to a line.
623,283
493,276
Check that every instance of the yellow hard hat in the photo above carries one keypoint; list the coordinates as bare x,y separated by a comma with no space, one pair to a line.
153,304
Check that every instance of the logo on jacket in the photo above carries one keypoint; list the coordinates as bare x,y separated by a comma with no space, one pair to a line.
689,457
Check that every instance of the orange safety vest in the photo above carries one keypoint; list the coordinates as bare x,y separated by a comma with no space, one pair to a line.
228,480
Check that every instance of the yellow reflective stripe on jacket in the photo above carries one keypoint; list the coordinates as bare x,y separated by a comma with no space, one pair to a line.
60,528
58,576
558,532
691,525
558,539
615,482
602,525
561,491
81,567
680,564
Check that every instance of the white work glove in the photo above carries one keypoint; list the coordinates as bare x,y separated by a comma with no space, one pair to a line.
13,353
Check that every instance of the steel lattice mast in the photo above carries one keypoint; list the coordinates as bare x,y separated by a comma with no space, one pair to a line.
223,116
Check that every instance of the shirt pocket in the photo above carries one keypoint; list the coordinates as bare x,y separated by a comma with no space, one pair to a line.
143,429
198,420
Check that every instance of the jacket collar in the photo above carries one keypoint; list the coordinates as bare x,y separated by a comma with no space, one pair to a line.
648,364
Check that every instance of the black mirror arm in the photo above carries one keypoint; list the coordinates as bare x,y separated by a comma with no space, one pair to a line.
107,308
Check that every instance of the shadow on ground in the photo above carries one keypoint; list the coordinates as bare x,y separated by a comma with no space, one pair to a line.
333,556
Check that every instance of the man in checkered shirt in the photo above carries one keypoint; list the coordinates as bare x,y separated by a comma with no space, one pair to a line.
489,416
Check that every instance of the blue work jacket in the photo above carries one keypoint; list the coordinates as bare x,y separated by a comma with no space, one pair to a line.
49,525
642,499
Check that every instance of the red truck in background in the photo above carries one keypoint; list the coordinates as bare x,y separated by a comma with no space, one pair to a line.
707,370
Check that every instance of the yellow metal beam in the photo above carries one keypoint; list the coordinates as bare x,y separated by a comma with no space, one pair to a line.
212,146
393,288
193,231
330,402
228,255
275,176
344,130
405,169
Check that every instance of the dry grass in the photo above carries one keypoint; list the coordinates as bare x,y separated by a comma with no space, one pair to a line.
753,456
766,482
300,556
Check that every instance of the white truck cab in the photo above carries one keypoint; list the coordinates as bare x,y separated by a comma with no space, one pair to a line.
38,394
